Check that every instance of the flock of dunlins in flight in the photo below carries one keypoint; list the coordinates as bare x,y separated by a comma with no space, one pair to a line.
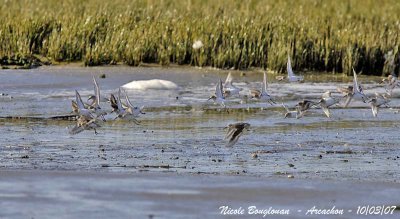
91,116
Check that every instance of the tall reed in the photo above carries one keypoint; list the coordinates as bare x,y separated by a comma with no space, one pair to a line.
318,35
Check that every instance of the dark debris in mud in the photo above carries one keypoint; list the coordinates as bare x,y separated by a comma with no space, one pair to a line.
167,166
341,152
31,118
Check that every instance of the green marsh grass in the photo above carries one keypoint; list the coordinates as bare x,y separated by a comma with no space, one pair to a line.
318,35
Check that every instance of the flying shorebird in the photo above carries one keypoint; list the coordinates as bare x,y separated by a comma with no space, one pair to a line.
391,82
234,132
378,101
218,96
94,100
85,123
345,90
356,92
75,108
303,106
291,76
262,95
132,110
229,89
81,109
327,101
289,113
124,110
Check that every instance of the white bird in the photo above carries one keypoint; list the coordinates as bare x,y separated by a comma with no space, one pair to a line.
357,93
378,101
291,76
218,96
263,94
327,101
230,89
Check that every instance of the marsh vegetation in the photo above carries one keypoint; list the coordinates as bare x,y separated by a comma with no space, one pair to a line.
330,36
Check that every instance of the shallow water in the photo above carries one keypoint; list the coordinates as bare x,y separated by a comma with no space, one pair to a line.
65,194
183,132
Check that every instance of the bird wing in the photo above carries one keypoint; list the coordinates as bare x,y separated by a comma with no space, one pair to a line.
228,80
289,68
79,101
300,114
356,88
232,142
235,136
326,111
127,100
285,107
93,123
119,103
96,92
348,99
75,130
327,94
74,105
265,84
230,132
374,109
218,90
114,103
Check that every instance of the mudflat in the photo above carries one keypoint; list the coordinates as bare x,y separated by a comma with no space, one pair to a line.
175,163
